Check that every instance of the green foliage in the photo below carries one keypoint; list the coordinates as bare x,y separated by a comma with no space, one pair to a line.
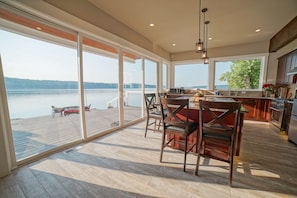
243,74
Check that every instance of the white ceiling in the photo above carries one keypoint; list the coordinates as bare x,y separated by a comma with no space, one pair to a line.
232,22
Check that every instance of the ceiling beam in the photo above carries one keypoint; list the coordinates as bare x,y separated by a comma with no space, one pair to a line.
284,36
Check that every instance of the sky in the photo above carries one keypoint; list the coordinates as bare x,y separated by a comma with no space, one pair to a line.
28,58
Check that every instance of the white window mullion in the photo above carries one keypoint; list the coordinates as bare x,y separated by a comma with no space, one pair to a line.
121,87
81,87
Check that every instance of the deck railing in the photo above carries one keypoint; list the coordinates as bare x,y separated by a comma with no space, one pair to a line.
115,101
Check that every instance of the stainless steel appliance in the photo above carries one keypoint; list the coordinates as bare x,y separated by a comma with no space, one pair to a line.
277,112
292,134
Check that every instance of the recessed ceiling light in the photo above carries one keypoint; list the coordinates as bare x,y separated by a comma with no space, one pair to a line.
38,28
258,30
152,25
209,38
173,44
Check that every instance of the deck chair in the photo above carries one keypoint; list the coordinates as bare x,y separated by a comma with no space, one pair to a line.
218,126
177,124
58,110
153,113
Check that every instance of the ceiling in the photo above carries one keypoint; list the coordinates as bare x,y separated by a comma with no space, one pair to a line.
232,22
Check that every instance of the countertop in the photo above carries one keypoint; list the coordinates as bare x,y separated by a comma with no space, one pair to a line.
223,96
247,97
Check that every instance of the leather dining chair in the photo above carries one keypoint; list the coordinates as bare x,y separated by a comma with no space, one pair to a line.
153,113
218,126
176,124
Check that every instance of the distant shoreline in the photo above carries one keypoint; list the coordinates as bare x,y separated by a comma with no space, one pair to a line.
18,84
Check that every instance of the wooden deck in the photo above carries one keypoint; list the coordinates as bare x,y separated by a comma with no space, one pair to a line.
125,164
39,134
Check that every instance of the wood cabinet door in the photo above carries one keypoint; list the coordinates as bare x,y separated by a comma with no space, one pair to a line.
264,110
285,64
251,106
258,109
281,70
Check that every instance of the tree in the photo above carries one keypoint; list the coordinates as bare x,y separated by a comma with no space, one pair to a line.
243,74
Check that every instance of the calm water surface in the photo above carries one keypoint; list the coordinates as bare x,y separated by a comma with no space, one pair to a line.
33,103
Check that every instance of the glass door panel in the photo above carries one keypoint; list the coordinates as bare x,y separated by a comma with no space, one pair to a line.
150,76
132,87
100,68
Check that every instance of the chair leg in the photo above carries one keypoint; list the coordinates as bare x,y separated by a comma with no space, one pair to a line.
186,150
198,155
146,127
162,146
159,125
155,125
231,170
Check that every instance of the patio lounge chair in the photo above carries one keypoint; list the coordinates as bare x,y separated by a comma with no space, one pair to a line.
57,110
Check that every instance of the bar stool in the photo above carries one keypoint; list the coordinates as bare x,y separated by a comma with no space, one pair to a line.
174,123
152,113
218,126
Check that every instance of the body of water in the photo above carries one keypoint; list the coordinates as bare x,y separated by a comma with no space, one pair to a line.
33,103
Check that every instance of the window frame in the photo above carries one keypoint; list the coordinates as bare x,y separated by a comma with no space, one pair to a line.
190,62
263,68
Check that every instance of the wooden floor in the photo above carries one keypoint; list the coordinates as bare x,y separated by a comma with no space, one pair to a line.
125,164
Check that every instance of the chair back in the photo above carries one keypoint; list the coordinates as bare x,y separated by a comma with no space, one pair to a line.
150,103
170,109
219,117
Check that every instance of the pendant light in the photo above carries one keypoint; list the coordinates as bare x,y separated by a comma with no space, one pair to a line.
204,54
199,44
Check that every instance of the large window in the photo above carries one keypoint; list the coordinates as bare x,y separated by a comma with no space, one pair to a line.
41,82
241,74
191,76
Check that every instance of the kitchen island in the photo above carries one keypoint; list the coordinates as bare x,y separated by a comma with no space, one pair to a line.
193,114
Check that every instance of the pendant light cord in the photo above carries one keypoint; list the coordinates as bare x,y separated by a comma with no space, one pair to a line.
199,18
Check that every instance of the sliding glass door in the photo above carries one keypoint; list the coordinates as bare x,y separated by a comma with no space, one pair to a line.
41,85
39,62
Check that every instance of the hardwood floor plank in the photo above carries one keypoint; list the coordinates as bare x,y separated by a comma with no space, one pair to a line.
125,164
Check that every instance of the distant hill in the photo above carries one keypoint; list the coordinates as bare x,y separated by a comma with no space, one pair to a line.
17,83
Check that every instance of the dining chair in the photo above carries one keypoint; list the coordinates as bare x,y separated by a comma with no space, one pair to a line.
153,113
218,127
175,123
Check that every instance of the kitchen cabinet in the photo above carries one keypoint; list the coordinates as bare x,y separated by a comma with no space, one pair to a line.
286,63
258,108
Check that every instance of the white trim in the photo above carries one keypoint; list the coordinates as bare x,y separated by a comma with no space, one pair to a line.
81,87
121,87
142,87
7,152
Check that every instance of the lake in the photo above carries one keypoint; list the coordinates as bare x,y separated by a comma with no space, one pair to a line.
38,102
